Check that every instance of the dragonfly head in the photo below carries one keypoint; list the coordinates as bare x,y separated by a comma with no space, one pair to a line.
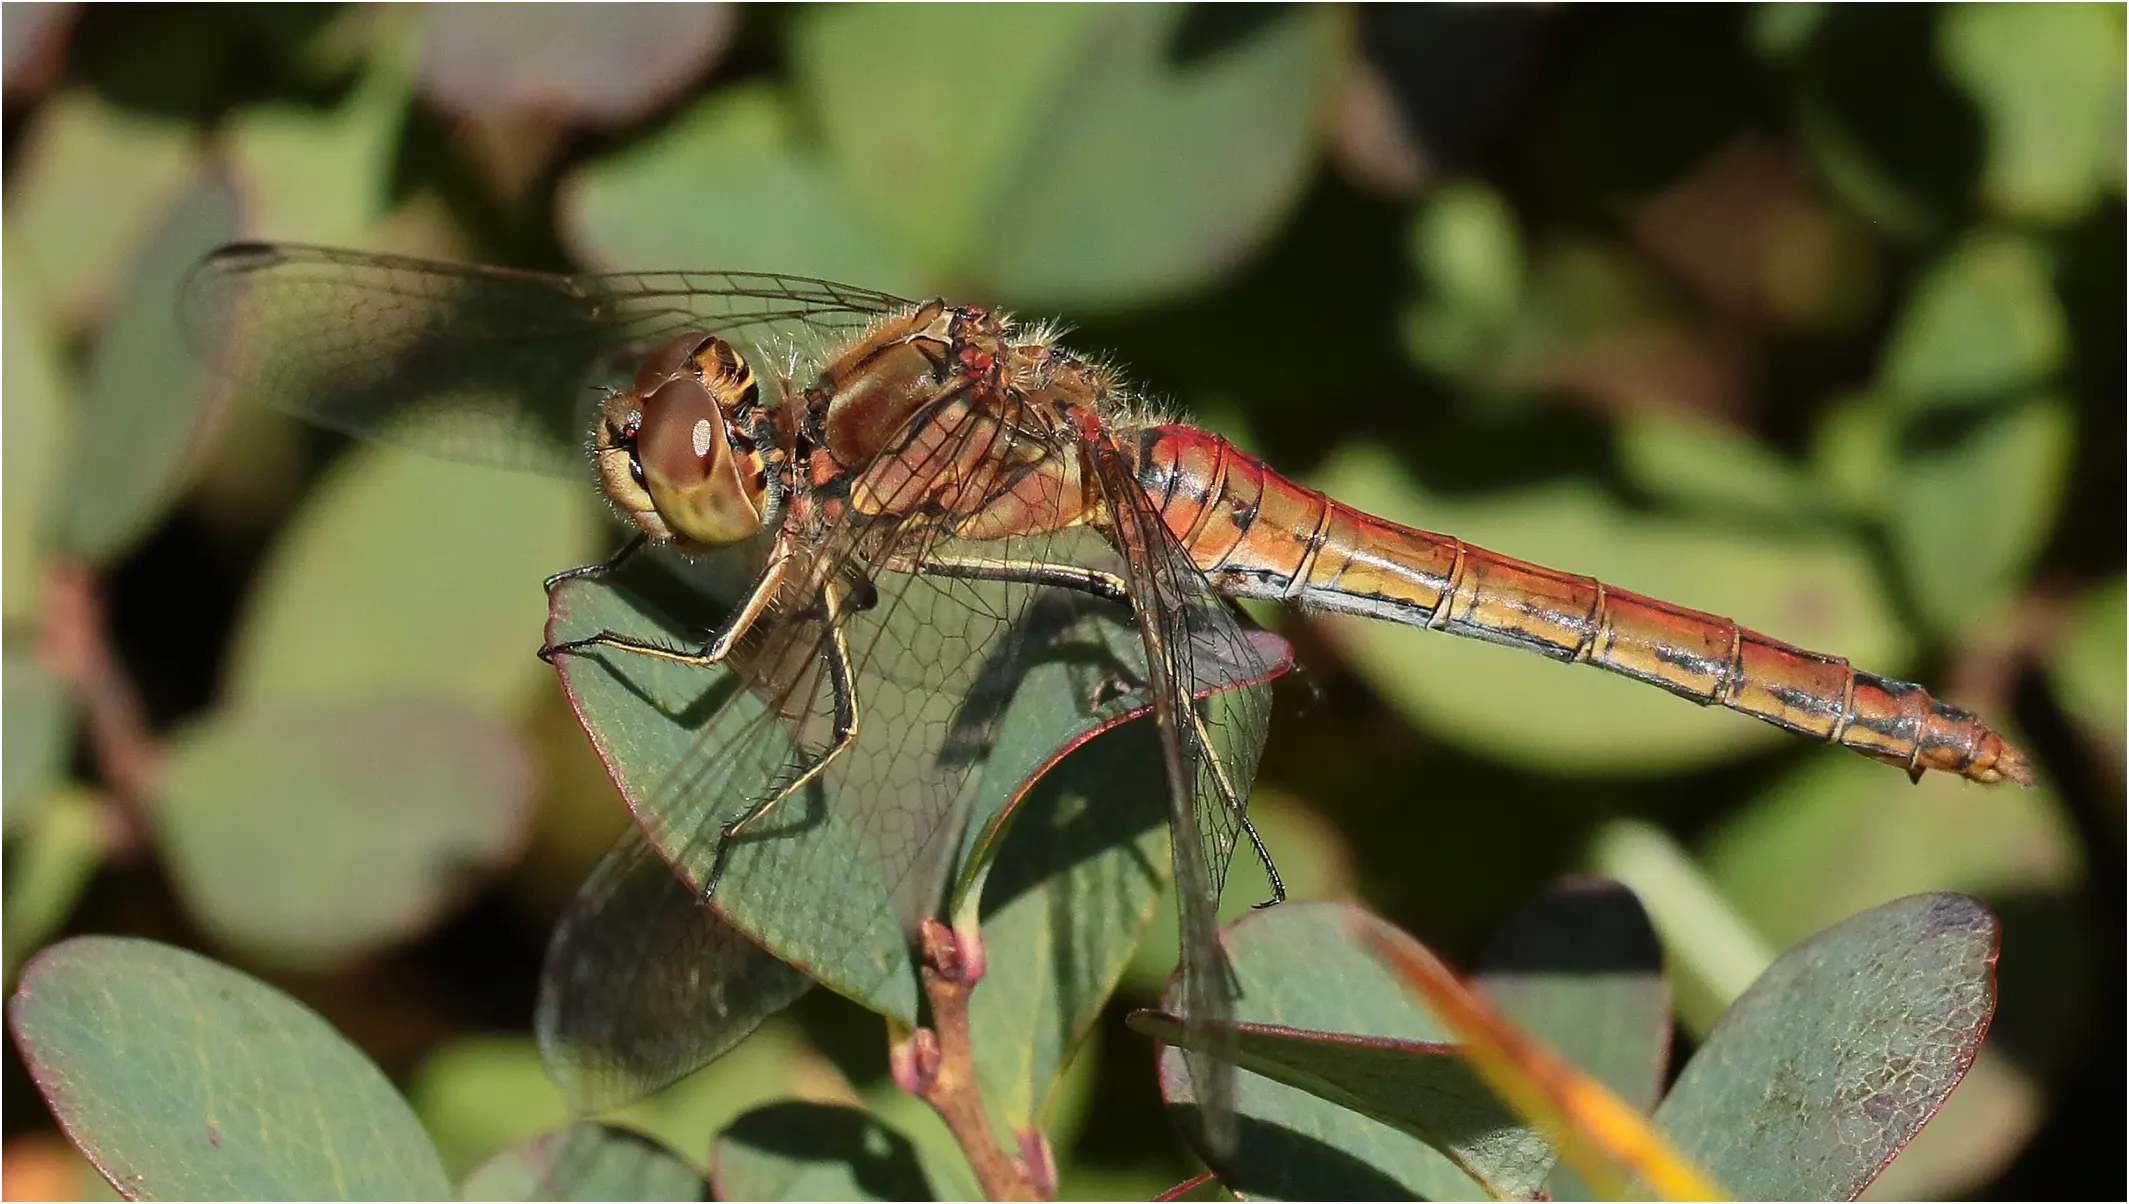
682,455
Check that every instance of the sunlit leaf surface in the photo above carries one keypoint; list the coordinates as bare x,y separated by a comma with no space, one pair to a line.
185,1080
1865,1028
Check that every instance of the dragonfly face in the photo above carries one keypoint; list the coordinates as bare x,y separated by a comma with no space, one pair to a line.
686,454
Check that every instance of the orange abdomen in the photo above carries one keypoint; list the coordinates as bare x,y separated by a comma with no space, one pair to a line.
1257,534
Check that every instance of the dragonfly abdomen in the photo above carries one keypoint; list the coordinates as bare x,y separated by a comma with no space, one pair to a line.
1257,534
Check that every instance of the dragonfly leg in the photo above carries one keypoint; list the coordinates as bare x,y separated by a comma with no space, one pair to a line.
1062,576
719,645
601,568
846,734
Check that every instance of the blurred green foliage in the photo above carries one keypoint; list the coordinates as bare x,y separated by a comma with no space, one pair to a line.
1811,315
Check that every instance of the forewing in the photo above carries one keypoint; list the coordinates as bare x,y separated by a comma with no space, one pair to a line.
1211,697
478,363
644,982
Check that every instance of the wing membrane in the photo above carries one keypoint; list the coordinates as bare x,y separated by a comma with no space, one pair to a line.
636,950
1212,730
478,363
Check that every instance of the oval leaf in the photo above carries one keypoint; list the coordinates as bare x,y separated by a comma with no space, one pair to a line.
1822,1071
314,834
1983,322
586,1162
1089,168
407,576
147,423
1968,516
183,1079
574,63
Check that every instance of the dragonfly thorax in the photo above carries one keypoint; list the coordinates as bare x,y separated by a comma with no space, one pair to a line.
684,455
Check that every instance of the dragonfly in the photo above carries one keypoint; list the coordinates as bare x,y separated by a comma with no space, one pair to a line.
915,485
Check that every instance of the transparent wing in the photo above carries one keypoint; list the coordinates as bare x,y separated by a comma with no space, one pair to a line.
478,363
835,877
1211,697
634,952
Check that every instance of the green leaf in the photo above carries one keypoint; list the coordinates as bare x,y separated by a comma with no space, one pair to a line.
1063,909
38,410
146,423
2087,666
586,1162
2048,81
1713,469
408,576
1082,860
730,184
1827,1067
1086,169
313,834
88,183
1579,969
324,176
183,1079
808,1151
1351,1089
1816,591
1983,322
1969,517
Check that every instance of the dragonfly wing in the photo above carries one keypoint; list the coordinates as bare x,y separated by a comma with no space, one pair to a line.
476,363
635,950
836,875
1211,698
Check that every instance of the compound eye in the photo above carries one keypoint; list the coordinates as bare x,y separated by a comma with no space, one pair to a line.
661,365
690,469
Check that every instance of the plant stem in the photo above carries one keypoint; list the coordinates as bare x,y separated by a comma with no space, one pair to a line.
938,1066
75,645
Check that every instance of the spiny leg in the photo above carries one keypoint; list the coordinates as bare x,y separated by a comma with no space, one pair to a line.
600,569
846,732
719,646
1021,572
1113,588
